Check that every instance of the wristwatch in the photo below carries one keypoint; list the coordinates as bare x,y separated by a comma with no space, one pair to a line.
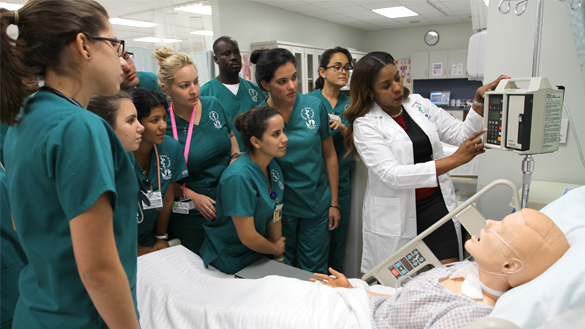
162,237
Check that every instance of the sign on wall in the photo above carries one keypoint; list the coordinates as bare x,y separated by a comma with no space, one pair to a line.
403,66
246,71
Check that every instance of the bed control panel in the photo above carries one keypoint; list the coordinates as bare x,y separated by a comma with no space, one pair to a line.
406,264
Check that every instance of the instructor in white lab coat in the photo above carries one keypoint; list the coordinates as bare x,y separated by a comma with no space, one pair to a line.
398,137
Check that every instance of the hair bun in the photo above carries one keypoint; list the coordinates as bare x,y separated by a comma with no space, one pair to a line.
162,52
255,56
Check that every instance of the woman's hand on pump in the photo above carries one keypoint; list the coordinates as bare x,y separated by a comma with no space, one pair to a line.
334,218
470,148
480,92
338,281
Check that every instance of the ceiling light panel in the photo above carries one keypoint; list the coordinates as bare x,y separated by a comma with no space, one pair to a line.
157,40
195,9
203,32
395,12
131,22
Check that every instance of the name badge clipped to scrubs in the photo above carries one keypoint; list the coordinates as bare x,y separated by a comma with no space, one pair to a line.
183,205
334,117
156,201
277,213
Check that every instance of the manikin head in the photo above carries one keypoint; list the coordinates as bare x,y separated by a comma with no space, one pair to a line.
532,235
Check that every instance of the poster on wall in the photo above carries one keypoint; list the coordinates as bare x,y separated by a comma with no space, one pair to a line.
246,71
403,66
457,68
437,69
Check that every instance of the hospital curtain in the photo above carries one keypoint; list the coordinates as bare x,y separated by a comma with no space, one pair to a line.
577,19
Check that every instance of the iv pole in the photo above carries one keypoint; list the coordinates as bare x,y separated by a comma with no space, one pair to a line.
528,162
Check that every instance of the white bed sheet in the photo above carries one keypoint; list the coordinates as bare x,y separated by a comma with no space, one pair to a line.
176,291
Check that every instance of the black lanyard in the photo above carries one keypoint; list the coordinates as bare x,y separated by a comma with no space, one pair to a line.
60,94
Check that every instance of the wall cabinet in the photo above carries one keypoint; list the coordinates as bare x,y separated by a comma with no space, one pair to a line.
307,58
439,65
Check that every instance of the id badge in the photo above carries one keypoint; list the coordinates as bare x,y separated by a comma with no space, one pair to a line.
183,205
334,117
277,213
156,201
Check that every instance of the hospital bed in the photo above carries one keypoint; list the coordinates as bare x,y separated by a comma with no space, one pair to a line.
175,290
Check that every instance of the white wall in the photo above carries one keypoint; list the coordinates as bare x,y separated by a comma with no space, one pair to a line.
249,22
509,50
402,42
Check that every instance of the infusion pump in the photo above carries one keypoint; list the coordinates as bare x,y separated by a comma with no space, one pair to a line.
524,120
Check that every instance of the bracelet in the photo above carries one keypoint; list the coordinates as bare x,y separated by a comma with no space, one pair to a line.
476,103
279,259
332,206
162,237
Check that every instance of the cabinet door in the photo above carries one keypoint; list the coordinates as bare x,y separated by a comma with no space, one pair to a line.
299,54
438,64
457,64
419,65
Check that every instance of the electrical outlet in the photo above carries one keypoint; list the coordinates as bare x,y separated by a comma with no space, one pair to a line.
564,130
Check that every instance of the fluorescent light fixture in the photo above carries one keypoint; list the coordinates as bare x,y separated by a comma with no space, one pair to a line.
196,9
157,40
395,12
487,2
131,22
10,6
203,32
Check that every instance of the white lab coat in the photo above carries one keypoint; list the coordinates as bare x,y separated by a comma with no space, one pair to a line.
389,211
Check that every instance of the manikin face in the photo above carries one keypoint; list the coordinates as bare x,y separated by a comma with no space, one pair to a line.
104,64
154,126
486,248
283,85
129,77
388,88
273,142
184,90
331,76
128,128
228,56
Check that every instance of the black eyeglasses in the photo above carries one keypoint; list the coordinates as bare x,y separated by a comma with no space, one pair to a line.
128,57
117,44
339,68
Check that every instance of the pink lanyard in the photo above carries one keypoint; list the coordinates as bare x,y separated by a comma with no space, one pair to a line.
189,133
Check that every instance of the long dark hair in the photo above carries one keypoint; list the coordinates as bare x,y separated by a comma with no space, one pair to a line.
254,123
360,88
268,61
45,27
326,58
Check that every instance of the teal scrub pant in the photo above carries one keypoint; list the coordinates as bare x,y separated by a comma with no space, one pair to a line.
339,235
188,229
307,242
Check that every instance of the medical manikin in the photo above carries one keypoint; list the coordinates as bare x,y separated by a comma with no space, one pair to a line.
507,254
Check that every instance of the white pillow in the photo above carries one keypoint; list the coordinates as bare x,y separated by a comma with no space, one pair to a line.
557,293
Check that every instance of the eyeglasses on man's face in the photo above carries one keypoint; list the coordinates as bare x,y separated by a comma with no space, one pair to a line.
128,57
117,44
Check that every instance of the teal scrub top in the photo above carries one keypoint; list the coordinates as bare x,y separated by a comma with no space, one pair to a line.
243,191
249,96
12,259
344,164
306,192
149,80
59,159
209,153
172,168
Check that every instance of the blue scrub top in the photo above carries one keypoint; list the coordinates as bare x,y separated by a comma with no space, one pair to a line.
249,96
344,164
59,159
149,80
306,192
243,191
172,168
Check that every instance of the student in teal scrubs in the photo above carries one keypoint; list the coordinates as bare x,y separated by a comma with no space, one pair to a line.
309,166
249,197
73,192
133,78
237,95
201,125
157,177
333,75
13,258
